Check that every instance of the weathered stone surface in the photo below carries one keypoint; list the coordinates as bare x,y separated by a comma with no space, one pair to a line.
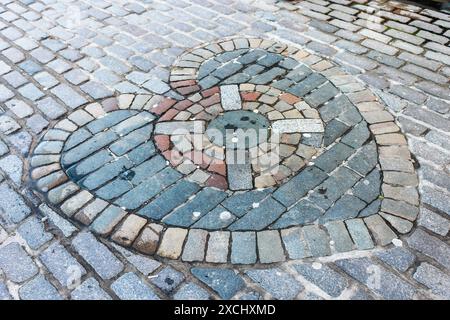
89,290
168,279
225,282
380,230
191,291
430,246
131,287
39,289
433,278
377,278
16,263
243,247
172,243
325,278
129,230
97,255
62,265
230,97
399,258
33,231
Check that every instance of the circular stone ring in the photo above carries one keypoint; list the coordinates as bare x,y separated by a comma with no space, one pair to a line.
271,154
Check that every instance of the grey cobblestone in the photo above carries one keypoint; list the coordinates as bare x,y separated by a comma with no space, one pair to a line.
97,255
277,282
16,263
433,278
430,246
39,289
61,264
387,284
131,287
89,290
32,230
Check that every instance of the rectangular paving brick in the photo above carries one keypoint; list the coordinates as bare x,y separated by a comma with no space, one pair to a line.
89,290
194,249
433,278
243,247
270,248
298,186
385,283
172,243
88,147
148,189
295,243
307,85
340,236
16,263
69,96
298,125
333,157
13,209
218,244
61,264
230,97
260,216
99,257
240,176
171,198
130,287
317,241
430,246
39,289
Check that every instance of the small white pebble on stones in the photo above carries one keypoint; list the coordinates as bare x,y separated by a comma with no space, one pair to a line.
255,204
196,215
397,242
317,265
225,215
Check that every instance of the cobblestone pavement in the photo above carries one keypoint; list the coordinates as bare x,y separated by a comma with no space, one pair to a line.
100,198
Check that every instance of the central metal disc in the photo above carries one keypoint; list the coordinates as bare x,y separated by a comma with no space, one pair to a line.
238,129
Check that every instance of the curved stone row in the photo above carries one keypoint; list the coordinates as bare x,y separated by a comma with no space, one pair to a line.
398,203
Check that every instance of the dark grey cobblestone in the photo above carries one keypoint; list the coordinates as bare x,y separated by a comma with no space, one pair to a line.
279,284
325,278
377,278
16,264
89,290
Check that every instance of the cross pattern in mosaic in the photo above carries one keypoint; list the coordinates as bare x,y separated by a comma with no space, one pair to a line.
283,133
151,171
